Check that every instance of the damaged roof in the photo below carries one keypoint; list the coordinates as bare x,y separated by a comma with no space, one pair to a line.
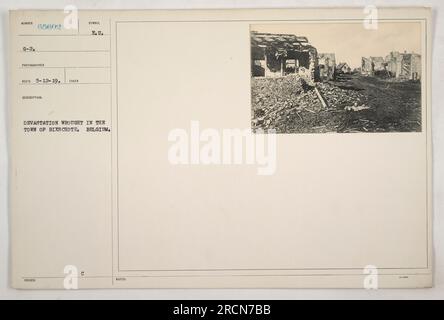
279,41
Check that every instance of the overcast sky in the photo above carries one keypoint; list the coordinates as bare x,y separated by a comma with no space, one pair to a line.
351,41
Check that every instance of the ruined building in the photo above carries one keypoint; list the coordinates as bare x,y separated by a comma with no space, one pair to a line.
398,65
378,63
327,66
369,66
281,54
404,65
366,66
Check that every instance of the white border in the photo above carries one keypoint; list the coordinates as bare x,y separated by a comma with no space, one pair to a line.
438,153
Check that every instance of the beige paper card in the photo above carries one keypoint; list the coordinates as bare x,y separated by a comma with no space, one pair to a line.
282,148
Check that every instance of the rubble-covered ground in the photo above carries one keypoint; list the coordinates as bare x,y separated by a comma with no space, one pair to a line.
354,103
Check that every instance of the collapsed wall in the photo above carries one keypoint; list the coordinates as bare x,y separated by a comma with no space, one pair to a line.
405,65
371,65
327,66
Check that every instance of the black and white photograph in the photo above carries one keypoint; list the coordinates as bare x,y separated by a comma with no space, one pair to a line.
336,77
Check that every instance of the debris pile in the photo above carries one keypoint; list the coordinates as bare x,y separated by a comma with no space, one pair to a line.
277,102
343,98
353,104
